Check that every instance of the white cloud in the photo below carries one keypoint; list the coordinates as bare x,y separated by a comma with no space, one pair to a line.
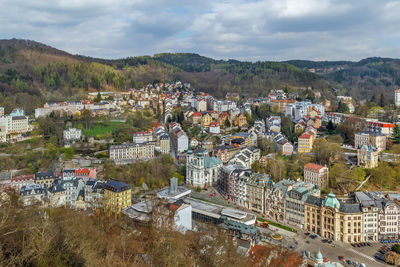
242,29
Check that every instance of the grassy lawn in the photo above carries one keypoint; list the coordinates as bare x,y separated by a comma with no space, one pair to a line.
284,227
101,129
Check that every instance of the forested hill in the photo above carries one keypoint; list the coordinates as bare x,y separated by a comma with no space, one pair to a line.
32,73
364,79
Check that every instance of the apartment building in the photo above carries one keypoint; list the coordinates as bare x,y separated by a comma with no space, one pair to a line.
367,156
131,151
142,137
255,192
316,174
117,196
295,200
305,143
375,139
71,135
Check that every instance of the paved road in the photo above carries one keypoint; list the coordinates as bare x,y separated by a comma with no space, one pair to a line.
336,249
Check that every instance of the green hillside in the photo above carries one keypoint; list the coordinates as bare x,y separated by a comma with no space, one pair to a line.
32,73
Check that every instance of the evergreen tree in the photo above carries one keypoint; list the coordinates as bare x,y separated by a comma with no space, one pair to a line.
98,97
343,108
382,100
396,135
330,127
228,123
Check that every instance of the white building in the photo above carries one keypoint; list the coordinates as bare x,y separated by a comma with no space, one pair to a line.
142,137
297,111
200,104
201,170
72,135
214,127
397,97
14,124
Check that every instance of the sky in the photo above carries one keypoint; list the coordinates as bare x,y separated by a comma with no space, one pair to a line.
232,29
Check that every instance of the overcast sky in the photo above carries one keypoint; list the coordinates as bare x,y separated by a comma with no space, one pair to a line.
239,29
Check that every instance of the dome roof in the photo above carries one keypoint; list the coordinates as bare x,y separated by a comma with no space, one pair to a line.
319,255
331,201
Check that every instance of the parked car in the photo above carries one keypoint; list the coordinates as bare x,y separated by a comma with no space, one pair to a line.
314,236
349,262
341,258
324,241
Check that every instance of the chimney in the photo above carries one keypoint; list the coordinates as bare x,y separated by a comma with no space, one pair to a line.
173,188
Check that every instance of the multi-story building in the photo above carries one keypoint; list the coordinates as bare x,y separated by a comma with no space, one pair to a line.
14,124
222,119
195,118
200,104
294,202
316,174
214,127
3,134
142,137
240,120
179,138
297,111
45,179
233,183
117,196
255,192
367,156
225,152
285,147
397,97
72,135
72,188
305,143
246,157
206,119
378,140
370,212
389,214
201,170
162,139
32,194
385,128
275,195
333,220
129,152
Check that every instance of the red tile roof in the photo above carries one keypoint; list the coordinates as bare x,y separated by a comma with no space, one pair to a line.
313,166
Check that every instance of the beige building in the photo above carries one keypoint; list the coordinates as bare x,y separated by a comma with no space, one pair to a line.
367,156
305,143
316,174
370,138
255,192
3,135
132,151
334,220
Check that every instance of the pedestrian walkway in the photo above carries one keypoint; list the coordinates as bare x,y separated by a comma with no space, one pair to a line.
367,257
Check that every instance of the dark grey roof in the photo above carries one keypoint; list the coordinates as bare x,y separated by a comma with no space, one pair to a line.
350,208
116,186
316,201
44,175
18,118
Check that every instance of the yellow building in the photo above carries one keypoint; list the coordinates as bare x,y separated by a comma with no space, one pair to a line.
305,143
334,220
206,120
240,120
117,196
